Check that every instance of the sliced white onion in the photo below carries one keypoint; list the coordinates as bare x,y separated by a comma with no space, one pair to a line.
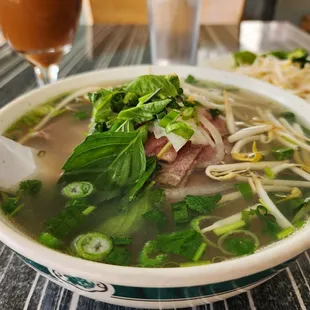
177,141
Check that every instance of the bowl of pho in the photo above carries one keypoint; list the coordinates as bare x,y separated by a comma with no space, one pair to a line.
148,184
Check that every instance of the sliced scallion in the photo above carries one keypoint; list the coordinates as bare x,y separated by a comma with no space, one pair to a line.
228,228
285,232
50,241
170,117
269,173
181,129
199,263
92,246
187,113
77,190
199,252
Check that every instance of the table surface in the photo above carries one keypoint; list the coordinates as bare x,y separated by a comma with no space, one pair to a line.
98,47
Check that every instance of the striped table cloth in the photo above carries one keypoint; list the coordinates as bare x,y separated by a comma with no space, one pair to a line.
98,47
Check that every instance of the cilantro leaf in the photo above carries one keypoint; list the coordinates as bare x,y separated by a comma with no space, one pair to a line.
203,204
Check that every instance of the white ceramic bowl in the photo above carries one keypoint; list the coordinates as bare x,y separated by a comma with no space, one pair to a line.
145,287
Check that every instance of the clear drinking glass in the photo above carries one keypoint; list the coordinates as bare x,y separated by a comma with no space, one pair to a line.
40,30
174,31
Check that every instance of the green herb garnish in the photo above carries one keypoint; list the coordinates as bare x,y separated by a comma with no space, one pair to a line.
203,204
30,187
180,212
282,153
80,115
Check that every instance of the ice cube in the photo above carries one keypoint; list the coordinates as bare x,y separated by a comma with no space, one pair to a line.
17,163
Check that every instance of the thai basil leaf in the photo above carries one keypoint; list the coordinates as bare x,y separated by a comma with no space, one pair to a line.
109,159
145,112
147,84
133,191
147,98
125,126
129,221
101,106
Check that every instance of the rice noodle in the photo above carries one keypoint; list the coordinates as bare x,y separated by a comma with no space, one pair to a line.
59,106
248,132
281,219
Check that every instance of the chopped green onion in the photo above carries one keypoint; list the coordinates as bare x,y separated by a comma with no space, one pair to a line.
195,224
181,129
88,210
199,263
50,241
245,190
170,117
187,113
237,245
92,246
180,212
81,115
229,227
246,215
78,190
149,249
199,252
285,232
261,211
117,240
282,153
269,173
214,113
